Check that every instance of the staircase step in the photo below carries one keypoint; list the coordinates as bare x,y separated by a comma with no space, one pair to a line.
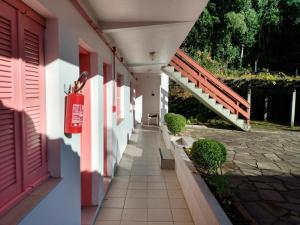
177,75
191,85
212,101
205,99
184,79
226,112
169,69
233,116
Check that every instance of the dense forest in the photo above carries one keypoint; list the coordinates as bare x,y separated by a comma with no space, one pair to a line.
248,34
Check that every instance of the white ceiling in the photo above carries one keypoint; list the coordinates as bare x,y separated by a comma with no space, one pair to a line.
138,27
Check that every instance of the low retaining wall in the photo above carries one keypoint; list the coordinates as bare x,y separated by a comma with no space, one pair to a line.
203,206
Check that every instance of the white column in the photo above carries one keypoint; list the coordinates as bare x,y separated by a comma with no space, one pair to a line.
293,108
249,96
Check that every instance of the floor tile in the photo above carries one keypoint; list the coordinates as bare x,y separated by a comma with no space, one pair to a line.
135,203
137,185
160,215
160,223
134,215
138,178
159,179
133,223
107,222
156,185
114,203
114,192
137,193
158,203
109,214
157,194
176,193
178,203
181,215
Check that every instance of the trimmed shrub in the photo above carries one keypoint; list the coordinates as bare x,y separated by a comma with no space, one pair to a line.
167,116
208,155
175,122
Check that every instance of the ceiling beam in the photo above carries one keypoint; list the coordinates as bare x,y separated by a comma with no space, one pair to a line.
111,27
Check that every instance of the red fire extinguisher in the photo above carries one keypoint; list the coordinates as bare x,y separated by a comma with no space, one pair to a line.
74,106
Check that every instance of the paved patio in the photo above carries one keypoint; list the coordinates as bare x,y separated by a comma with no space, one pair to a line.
264,170
142,193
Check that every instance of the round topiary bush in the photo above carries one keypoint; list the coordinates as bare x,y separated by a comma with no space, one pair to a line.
208,155
175,122
167,116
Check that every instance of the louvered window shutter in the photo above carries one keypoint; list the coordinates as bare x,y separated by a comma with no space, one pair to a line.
10,152
33,121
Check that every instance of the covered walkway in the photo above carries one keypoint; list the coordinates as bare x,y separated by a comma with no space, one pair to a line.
142,193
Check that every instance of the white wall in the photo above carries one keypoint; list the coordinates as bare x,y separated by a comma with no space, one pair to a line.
146,102
146,86
64,31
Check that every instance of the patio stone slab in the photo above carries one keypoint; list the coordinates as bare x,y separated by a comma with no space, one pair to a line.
264,171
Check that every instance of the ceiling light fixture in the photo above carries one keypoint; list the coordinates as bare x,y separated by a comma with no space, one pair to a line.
152,55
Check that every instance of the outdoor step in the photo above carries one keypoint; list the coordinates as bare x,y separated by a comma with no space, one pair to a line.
184,80
226,112
177,75
166,158
219,106
187,141
233,116
169,69
205,99
192,85
212,101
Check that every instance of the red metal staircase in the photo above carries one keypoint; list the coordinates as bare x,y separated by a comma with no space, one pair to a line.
207,88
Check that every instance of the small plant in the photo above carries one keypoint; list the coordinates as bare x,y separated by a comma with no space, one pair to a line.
221,186
175,122
208,155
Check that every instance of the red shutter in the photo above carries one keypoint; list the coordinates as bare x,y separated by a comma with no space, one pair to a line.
33,119
10,154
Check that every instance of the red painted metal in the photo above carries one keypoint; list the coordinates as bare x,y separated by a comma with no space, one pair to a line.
74,113
211,85
85,158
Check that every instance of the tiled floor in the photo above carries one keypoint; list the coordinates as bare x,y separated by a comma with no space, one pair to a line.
142,193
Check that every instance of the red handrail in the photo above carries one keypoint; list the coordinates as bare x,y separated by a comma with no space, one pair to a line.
211,84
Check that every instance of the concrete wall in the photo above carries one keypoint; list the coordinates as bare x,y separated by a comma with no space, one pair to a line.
152,96
65,31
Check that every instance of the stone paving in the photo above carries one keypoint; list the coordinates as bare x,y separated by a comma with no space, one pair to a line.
264,171
142,193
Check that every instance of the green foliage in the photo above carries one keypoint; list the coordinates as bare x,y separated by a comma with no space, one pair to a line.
266,31
175,122
220,184
167,116
208,155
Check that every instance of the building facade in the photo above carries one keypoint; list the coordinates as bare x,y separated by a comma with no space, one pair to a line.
47,176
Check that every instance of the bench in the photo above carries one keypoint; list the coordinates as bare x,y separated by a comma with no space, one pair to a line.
166,159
